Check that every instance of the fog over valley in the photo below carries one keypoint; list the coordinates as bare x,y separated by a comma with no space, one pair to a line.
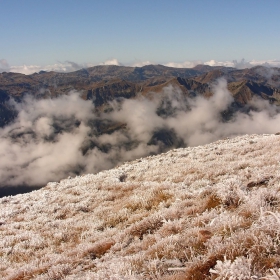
54,138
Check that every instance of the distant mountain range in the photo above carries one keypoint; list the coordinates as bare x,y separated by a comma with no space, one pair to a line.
102,84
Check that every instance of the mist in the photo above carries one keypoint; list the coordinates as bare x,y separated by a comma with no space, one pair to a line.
52,139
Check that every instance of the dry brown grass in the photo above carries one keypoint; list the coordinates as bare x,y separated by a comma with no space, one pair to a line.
99,249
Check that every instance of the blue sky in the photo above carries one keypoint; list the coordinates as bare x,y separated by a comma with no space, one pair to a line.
41,32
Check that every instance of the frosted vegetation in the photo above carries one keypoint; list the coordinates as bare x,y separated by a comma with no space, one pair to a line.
208,212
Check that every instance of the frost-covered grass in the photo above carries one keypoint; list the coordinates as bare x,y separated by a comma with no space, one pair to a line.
209,212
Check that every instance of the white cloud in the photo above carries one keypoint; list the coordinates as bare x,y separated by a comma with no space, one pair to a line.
271,63
242,64
213,62
112,61
141,63
67,66
70,66
185,64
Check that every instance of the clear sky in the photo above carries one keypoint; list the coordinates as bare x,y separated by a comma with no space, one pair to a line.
40,32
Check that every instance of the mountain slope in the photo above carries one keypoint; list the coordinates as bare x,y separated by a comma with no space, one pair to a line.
105,83
209,212
16,84
244,91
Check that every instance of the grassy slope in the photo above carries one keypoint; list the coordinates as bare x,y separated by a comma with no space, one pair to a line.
209,212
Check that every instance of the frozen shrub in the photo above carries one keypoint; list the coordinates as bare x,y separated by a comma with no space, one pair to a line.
239,269
58,272
274,274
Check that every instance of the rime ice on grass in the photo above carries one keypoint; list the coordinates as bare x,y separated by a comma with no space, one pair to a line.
209,212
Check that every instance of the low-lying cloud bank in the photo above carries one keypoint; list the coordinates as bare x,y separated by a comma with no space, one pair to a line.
242,64
66,66
55,138
70,66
